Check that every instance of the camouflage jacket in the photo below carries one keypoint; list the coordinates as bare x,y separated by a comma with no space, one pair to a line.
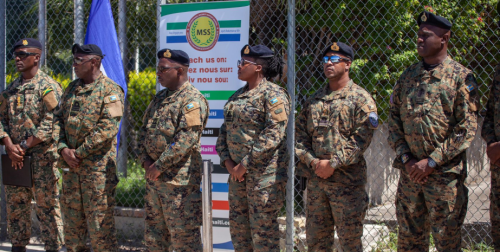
28,110
171,132
87,120
433,114
491,131
254,132
337,126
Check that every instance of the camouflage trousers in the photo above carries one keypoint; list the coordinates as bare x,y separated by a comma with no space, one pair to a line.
88,204
440,206
46,194
495,206
253,215
332,205
173,217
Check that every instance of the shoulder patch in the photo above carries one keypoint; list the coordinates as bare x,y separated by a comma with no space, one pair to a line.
274,101
373,117
111,99
50,99
192,114
191,106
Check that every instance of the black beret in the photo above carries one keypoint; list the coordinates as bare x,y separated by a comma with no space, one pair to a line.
89,49
340,48
28,43
178,56
434,20
258,51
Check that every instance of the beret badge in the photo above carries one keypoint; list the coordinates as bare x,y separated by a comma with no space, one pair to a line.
335,47
423,17
25,42
247,50
167,54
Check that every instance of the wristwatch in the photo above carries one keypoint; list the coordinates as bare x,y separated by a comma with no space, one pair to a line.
431,163
405,158
23,145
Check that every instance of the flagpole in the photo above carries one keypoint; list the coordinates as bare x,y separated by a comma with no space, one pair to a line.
42,29
78,25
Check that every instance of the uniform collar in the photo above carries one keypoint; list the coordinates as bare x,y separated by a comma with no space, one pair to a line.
326,94
439,71
249,93
30,84
176,92
90,86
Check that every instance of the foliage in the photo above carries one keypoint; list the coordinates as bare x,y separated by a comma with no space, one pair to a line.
141,90
131,190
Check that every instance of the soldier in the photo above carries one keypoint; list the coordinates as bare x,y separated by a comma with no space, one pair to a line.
333,130
170,154
26,114
491,134
432,122
86,124
252,147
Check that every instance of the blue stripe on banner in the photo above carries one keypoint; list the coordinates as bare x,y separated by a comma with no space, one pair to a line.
216,114
225,245
229,37
220,187
176,39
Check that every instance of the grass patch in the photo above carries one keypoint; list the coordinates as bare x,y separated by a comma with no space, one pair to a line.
131,189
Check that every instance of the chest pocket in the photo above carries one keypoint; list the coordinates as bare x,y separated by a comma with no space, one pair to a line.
249,111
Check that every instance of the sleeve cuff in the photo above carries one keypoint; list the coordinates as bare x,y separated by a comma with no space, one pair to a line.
80,153
3,135
245,162
61,146
335,162
223,157
307,159
42,136
438,157
402,149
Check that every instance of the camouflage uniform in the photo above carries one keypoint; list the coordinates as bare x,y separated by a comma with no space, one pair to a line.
433,114
87,120
27,110
253,134
170,134
337,126
491,134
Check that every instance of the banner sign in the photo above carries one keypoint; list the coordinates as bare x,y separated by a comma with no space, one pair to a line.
212,34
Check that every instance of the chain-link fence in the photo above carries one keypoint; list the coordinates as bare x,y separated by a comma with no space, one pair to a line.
383,35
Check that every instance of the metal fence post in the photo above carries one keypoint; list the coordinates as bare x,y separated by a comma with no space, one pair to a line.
122,40
158,17
290,186
207,237
3,199
42,29
79,34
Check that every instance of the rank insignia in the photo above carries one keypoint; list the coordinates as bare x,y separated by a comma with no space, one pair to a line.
423,17
19,101
335,47
167,54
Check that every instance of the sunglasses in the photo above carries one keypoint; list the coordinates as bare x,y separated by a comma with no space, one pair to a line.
79,61
243,62
333,59
164,69
23,55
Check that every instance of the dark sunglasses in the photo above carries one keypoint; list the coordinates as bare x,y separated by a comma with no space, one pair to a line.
22,54
79,61
243,62
333,59
164,69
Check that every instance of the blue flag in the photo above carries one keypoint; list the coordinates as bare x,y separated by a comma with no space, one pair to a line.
101,32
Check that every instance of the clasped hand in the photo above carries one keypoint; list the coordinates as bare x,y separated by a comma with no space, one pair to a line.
236,171
418,171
